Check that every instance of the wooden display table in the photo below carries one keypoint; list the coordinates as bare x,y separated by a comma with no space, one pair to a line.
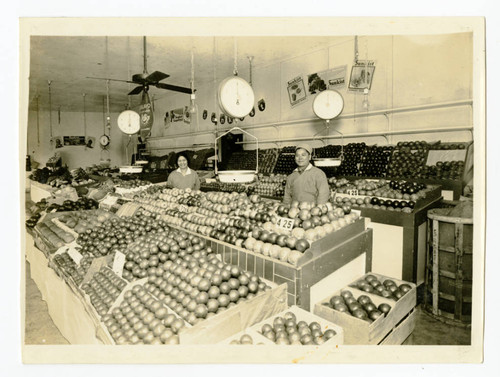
399,239
340,256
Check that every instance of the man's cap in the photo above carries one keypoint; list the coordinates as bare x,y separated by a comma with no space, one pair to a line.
305,146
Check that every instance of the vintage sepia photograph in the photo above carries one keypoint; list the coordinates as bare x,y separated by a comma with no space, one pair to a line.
206,192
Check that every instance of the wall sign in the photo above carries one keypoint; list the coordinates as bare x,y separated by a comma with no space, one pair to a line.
74,140
146,113
296,91
362,75
334,78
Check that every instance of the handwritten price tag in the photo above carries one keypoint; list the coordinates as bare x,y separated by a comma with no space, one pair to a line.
285,223
118,263
183,208
352,192
75,255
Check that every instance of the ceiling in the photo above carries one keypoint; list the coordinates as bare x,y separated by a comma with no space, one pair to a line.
67,61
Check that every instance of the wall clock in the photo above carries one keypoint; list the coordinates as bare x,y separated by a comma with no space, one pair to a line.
104,140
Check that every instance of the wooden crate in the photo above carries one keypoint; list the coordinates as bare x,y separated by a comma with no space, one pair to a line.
236,319
382,278
358,331
258,339
308,317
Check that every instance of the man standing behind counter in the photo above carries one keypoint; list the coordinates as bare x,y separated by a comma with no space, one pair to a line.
307,183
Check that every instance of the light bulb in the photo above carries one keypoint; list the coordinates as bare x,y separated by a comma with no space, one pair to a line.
192,106
366,103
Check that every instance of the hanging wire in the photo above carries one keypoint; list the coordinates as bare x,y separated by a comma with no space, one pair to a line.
215,83
38,119
84,117
356,53
128,71
250,60
50,111
235,69
108,117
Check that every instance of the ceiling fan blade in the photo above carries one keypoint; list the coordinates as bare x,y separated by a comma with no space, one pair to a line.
136,90
175,88
156,76
105,78
139,79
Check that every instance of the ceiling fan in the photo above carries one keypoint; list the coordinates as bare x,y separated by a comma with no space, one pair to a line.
145,80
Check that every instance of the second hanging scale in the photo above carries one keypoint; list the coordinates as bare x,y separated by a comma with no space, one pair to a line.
328,105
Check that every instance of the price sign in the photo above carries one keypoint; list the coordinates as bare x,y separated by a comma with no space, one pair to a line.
183,208
96,265
352,192
285,223
118,263
75,255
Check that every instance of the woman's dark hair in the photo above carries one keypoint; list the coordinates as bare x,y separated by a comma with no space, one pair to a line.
182,154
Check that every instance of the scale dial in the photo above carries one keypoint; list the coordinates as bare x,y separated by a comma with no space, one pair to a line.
104,140
328,104
236,97
129,122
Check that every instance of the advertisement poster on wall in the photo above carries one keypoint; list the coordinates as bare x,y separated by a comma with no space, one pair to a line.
330,79
296,91
362,75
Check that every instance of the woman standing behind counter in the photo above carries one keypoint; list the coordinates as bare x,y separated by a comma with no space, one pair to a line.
307,183
184,177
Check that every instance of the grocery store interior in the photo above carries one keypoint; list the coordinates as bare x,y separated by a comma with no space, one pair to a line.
301,191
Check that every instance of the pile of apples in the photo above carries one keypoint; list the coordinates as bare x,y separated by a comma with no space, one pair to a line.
103,289
387,289
287,330
362,307
143,319
198,287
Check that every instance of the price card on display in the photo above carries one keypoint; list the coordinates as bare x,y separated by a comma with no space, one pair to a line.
118,263
75,255
285,223
352,192
183,208
357,212
96,265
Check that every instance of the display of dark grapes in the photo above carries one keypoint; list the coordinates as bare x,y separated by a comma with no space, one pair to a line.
375,160
267,160
286,161
451,146
242,160
408,159
223,187
407,187
353,153
328,151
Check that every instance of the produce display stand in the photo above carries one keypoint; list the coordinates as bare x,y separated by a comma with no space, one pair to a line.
399,239
39,191
343,254
79,323
391,329
67,307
